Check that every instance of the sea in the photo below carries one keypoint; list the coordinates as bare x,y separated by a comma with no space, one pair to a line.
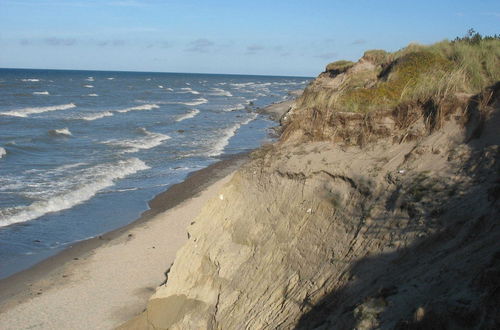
82,152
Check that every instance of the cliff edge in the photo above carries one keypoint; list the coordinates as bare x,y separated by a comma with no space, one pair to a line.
379,207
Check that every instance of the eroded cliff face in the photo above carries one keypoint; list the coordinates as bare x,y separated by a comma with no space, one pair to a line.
388,221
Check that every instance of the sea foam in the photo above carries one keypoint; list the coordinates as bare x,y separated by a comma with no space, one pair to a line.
90,182
228,133
195,102
188,115
41,93
58,132
189,90
221,92
30,80
3,152
25,112
97,115
140,107
148,141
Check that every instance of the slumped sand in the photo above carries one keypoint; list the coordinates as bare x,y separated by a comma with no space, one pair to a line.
111,283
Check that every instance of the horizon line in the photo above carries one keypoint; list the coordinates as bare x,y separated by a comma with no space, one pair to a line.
155,72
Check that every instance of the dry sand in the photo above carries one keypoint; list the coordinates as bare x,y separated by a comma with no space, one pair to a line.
109,280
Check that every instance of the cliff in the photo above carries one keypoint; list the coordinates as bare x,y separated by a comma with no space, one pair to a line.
377,208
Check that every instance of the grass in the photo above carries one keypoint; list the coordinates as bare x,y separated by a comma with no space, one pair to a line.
416,73
339,66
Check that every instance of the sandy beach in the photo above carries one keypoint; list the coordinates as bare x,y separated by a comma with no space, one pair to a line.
105,281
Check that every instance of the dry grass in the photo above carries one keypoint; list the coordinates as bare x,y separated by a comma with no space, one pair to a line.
339,66
416,73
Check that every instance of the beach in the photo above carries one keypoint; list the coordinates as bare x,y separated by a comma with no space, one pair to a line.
103,282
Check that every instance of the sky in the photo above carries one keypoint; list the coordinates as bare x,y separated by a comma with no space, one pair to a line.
273,37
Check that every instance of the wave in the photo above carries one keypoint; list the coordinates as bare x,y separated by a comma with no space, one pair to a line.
41,93
234,108
140,107
90,182
30,80
169,89
93,95
228,133
90,79
97,115
110,78
58,132
240,85
189,90
25,112
150,140
195,102
188,115
160,86
221,92
88,86
3,152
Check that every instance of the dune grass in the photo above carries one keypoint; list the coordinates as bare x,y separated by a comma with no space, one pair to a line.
416,73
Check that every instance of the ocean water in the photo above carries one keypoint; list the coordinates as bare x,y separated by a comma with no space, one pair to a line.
82,152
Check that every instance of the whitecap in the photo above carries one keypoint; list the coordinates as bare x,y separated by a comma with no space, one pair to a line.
234,108
96,115
41,93
188,115
240,85
221,92
188,90
87,184
88,86
25,112
90,79
3,152
140,107
195,102
30,80
160,86
58,132
227,134
94,95
110,78
150,140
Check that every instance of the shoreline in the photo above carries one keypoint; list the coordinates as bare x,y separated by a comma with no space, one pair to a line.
197,181
51,278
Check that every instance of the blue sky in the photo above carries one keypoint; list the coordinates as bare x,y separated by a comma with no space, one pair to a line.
251,37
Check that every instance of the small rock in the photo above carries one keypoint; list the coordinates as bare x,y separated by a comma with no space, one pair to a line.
309,211
221,197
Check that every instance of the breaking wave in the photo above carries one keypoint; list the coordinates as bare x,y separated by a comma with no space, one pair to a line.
25,112
97,115
148,141
3,152
188,115
140,107
58,132
195,102
221,92
41,93
228,133
88,183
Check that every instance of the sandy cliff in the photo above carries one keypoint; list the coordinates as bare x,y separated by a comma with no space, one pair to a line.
383,216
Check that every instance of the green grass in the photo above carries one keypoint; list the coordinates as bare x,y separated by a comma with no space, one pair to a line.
416,73
339,66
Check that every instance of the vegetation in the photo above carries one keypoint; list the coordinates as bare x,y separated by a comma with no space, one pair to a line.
339,66
416,73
